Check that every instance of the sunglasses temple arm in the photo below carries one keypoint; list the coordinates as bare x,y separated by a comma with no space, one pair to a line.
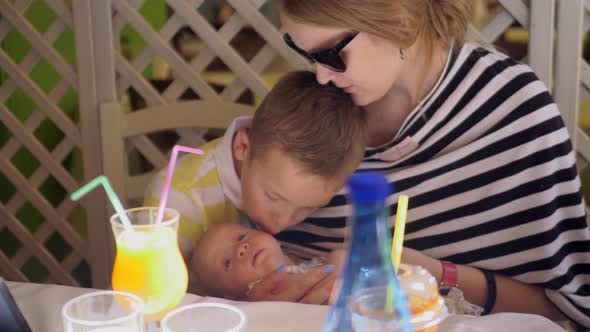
342,44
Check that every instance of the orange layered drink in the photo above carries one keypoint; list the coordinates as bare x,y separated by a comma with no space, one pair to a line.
148,261
426,305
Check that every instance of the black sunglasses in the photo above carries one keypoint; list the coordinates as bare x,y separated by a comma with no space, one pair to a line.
328,58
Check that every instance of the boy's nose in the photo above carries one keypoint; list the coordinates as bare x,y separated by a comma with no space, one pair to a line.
241,249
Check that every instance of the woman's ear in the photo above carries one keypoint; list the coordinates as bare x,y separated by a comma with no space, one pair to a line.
241,145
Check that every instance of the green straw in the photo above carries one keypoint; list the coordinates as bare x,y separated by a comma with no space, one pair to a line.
102,180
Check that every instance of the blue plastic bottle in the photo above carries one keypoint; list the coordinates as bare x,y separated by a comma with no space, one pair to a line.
368,266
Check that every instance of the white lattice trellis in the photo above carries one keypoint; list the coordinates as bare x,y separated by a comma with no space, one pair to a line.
572,71
538,18
572,76
34,249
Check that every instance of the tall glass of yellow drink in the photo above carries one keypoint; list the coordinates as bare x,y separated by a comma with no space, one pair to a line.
148,262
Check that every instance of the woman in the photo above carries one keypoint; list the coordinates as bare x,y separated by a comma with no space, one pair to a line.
475,140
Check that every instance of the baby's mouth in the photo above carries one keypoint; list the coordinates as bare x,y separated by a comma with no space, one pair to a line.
255,256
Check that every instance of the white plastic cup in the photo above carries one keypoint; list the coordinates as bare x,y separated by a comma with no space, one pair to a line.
210,317
103,311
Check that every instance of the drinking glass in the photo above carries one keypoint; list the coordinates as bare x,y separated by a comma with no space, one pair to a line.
103,311
148,262
369,313
210,317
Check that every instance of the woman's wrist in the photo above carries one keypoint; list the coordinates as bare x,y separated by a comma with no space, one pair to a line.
436,269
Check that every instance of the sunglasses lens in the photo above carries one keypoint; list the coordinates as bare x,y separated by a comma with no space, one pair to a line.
330,60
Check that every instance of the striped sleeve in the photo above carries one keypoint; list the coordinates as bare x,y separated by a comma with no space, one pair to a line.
492,183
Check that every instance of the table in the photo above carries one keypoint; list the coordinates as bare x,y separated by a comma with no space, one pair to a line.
41,305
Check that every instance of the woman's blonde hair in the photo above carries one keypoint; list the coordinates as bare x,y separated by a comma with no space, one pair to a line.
436,22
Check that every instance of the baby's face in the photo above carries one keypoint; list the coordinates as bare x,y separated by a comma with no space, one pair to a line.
277,194
232,256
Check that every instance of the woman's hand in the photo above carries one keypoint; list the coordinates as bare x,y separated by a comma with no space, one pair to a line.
312,288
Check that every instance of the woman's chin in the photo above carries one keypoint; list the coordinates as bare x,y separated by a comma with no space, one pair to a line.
361,100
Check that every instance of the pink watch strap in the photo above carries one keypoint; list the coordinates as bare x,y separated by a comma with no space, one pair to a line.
450,276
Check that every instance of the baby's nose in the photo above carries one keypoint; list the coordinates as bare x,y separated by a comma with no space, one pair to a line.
242,249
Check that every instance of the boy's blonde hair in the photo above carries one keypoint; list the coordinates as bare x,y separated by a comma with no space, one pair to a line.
316,125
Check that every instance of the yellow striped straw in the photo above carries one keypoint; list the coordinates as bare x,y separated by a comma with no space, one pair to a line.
398,234
397,243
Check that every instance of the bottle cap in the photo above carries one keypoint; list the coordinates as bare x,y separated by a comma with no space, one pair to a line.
368,187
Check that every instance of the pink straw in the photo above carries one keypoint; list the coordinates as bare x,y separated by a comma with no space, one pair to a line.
171,166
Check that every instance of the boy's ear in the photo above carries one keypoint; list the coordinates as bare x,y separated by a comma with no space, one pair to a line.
241,145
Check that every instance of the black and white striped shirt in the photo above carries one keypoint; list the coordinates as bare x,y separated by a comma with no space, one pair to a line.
491,175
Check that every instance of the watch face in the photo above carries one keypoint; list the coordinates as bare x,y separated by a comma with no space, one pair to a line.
444,290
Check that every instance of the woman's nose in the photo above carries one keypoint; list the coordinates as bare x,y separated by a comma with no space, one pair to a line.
241,249
323,74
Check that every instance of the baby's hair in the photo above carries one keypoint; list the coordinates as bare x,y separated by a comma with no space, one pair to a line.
202,285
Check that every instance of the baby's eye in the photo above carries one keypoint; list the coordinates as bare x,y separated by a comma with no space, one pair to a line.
227,264
242,236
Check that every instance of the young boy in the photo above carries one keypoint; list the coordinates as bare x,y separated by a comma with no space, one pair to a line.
274,169
237,257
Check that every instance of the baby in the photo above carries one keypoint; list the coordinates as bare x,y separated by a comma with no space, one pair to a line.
230,258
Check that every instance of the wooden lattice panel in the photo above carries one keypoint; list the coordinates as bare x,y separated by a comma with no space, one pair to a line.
41,243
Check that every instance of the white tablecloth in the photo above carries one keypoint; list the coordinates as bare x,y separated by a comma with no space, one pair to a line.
41,305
